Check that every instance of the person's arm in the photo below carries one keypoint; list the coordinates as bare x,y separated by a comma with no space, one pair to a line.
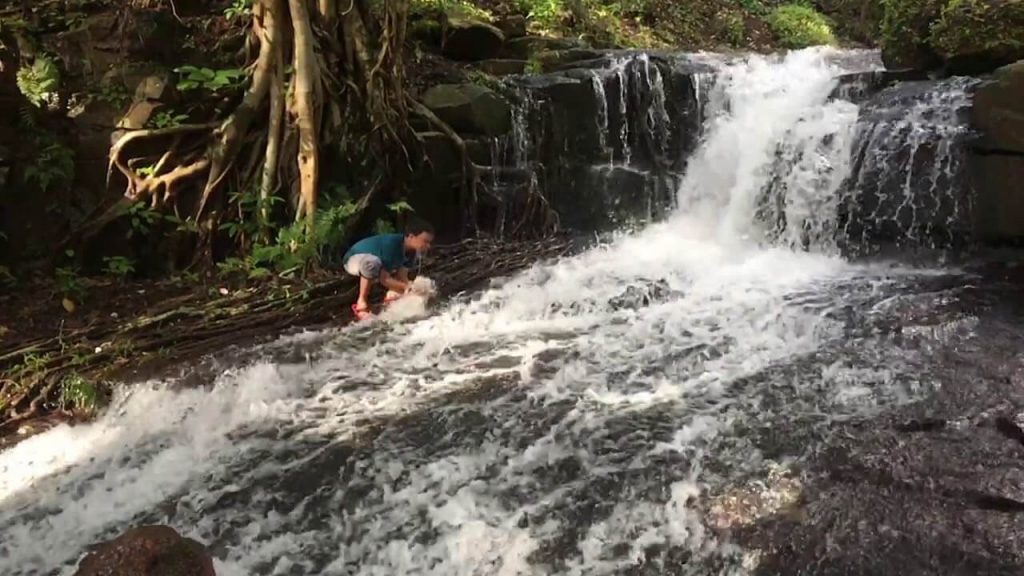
393,282
403,274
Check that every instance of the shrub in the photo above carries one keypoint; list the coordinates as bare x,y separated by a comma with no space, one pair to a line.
798,26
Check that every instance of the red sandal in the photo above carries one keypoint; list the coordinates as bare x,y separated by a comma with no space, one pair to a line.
361,314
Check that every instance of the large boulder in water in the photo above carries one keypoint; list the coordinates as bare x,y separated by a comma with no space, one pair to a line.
470,108
148,551
997,165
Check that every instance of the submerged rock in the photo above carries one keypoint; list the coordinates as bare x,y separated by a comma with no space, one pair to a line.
148,551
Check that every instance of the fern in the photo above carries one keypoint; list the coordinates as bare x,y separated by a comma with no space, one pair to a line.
27,119
38,81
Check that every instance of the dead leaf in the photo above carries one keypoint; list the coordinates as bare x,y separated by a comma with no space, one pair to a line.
68,305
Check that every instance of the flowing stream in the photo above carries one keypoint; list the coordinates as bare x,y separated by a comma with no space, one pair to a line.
616,412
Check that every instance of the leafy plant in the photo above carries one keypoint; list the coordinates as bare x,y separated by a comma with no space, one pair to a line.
182,225
119,266
40,81
67,278
141,219
115,94
167,119
238,8
798,26
54,163
7,279
78,393
755,7
193,78
400,207
735,29
382,226
545,13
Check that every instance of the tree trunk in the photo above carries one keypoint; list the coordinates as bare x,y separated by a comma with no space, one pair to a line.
306,87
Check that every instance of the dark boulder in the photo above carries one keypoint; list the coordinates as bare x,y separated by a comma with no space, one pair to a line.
997,159
148,551
998,111
470,108
526,47
512,26
469,40
503,67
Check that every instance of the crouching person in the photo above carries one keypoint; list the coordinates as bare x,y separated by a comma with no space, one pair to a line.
386,259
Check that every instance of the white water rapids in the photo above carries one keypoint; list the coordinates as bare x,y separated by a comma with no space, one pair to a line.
595,415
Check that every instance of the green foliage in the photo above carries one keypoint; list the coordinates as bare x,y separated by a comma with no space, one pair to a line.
295,247
906,23
68,281
754,7
186,225
453,8
54,164
382,226
798,26
237,9
735,29
167,119
40,81
546,14
115,94
195,78
31,363
119,266
141,219
7,279
968,27
77,393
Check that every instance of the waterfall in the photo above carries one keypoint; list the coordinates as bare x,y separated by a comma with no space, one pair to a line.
629,409
775,154
909,184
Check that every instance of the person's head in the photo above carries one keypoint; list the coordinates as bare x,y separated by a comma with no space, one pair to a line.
418,235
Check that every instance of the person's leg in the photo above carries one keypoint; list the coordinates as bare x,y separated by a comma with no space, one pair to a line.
362,302
368,268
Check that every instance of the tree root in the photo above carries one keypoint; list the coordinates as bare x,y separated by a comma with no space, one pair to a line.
193,328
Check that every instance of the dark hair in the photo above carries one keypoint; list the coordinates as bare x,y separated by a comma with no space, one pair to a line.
417,226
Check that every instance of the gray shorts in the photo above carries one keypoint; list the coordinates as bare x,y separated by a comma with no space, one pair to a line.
365,265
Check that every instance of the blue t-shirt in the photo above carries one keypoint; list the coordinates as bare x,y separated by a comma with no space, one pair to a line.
390,248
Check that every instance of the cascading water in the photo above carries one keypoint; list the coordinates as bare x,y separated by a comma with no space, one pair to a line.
615,412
